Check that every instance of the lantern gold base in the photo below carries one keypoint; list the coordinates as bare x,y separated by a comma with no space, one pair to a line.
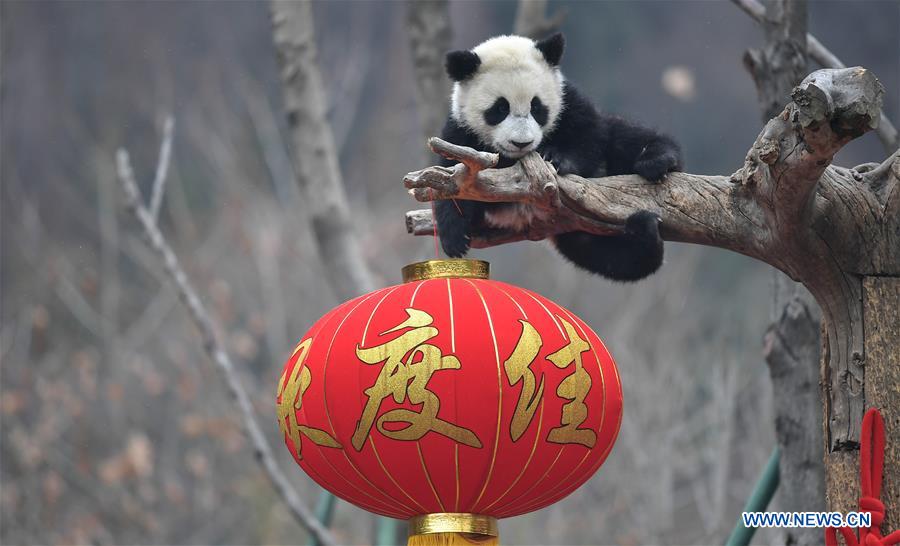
453,529
444,269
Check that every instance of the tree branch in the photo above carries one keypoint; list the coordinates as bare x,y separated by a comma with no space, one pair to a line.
314,154
428,25
793,359
791,348
215,350
532,20
572,203
886,131
829,109
162,168
764,210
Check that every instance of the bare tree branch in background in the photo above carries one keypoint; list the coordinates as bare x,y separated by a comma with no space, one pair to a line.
314,153
792,342
886,131
352,70
428,25
162,168
532,20
315,159
215,349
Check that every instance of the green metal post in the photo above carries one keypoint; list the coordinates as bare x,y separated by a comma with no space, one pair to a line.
324,511
387,531
758,501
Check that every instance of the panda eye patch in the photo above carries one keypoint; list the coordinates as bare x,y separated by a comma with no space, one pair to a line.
538,111
497,112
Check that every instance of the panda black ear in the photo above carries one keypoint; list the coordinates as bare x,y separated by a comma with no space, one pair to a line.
552,48
461,64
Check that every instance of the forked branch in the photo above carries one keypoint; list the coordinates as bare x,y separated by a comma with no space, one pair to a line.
824,226
767,209
570,203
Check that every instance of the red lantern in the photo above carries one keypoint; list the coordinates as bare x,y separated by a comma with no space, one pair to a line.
450,393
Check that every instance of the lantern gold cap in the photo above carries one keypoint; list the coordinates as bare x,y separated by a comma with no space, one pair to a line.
445,269
453,522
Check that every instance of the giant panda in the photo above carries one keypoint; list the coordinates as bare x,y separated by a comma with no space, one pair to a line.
509,97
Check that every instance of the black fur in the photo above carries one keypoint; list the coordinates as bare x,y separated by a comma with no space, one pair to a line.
552,48
461,64
628,257
497,112
539,112
588,144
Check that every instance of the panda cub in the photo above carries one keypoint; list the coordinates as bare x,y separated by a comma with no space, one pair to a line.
510,98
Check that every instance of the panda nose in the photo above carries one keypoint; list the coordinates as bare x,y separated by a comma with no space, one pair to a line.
521,145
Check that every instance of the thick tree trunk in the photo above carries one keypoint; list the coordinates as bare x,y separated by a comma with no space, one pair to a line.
314,152
776,69
793,341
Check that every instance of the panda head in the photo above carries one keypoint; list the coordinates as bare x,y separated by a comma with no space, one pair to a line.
508,91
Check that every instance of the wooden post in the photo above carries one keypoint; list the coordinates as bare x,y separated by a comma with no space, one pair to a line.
881,302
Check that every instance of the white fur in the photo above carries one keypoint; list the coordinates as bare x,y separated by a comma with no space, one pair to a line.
515,216
511,67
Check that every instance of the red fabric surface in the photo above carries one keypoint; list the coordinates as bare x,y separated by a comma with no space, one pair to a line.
457,398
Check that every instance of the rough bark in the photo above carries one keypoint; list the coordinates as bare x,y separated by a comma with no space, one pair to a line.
825,226
792,343
314,153
792,353
786,197
781,63
881,300
886,131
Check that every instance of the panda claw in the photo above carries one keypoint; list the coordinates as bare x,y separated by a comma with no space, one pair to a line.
455,247
656,168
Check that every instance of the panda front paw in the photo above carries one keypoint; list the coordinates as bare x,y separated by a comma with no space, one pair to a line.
654,167
561,163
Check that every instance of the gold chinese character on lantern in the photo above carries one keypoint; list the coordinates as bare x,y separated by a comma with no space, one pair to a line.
291,388
518,369
574,387
408,364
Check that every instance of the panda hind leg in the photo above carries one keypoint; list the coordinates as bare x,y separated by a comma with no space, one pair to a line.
631,256
454,225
